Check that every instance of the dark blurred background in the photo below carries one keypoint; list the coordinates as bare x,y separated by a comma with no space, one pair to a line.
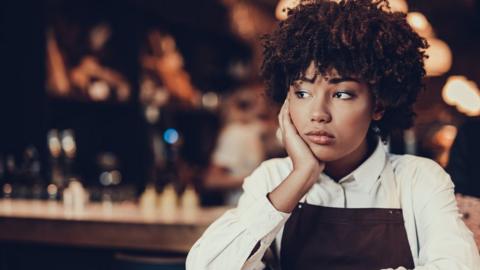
137,87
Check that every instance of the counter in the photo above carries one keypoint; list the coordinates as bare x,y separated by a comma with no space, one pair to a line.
114,226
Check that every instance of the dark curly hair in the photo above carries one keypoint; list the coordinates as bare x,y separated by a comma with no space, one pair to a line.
358,38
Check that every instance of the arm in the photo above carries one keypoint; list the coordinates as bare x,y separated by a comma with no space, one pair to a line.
229,241
445,243
306,167
239,239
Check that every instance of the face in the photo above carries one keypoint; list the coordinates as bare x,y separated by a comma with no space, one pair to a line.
332,114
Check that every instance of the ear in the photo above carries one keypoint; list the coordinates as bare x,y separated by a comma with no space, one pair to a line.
378,111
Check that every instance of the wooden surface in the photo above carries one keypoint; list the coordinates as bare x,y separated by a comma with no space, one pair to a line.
126,226
119,226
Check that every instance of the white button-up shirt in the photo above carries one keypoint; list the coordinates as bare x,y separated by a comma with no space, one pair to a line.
437,236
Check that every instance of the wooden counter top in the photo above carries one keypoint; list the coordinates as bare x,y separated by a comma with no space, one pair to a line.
126,226
119,226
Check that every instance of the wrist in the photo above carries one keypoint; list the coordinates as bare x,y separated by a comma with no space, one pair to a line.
307,171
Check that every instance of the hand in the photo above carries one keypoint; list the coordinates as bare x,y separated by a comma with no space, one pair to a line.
306,166
297,149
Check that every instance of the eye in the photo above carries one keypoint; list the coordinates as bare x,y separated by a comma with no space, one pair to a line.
302,94
343,95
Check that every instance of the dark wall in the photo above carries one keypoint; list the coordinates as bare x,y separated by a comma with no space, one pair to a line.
27,112
22,68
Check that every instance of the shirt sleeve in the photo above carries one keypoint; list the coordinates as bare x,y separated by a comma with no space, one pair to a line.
228,242
445,243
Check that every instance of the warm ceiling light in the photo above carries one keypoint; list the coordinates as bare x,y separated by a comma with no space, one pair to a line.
420,24
283,6
439,58
440,55
398,5
281,12
462,93
450,92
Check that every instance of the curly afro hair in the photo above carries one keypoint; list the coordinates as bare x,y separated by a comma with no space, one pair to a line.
358,38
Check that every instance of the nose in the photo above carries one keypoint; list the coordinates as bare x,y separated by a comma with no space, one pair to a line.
320,112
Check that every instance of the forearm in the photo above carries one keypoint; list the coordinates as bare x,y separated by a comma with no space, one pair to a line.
228,243
223,246
286,196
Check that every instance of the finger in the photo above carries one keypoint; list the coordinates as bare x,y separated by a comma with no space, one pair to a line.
287,122
280,116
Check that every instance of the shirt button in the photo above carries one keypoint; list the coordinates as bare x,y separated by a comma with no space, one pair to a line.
299,206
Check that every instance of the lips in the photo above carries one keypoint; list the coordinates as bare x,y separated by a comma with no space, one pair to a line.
320,137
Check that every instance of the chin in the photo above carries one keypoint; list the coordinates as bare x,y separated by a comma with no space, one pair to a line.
325,153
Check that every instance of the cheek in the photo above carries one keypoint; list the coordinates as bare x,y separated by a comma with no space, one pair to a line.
354,120
297,114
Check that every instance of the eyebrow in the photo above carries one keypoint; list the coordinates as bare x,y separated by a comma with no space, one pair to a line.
310,80
342,79
330,81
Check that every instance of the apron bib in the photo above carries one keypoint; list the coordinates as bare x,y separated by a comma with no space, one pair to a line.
317,237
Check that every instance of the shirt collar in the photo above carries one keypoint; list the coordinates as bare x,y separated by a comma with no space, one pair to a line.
368,173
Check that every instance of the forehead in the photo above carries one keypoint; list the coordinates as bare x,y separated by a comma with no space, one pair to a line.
311,72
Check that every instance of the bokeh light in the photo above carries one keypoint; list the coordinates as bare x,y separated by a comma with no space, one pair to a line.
281,12
420,24
462,93
439,59
170,136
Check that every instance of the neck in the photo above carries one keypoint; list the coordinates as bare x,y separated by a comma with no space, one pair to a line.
340,168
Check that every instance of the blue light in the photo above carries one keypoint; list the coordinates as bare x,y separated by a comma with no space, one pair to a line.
170,136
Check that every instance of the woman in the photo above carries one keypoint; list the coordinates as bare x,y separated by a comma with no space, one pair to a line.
348,74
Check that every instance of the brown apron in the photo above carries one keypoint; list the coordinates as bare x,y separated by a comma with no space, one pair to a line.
317,237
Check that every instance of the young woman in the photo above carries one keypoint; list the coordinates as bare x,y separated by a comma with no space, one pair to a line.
348,74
